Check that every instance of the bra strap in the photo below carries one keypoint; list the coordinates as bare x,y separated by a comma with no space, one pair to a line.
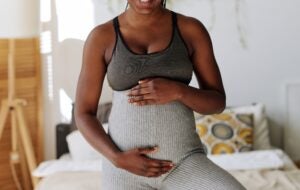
116,27
116,24
174,19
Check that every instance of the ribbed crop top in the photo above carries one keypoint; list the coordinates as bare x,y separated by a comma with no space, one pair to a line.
126,68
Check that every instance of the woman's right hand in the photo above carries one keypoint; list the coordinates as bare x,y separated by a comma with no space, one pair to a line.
137,162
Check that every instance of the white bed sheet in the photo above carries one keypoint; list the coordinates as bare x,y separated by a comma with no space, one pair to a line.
287,177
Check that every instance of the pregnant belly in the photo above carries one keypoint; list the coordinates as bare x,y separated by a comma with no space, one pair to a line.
170,126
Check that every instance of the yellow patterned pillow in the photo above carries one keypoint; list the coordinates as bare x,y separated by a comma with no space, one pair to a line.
226,133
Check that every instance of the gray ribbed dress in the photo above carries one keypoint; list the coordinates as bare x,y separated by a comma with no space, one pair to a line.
170,126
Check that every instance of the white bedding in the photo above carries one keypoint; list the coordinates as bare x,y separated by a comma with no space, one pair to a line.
260,159
66,165
269,179
281,173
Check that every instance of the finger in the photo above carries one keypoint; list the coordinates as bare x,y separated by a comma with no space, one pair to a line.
140,98
139,91
145,102
157,164
161,169
147,150
142,85
152,174
136,89
157,172
145,80
166,163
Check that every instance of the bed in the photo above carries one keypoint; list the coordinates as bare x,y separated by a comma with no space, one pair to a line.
78,166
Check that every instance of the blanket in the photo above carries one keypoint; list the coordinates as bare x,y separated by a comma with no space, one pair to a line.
251,179
269,179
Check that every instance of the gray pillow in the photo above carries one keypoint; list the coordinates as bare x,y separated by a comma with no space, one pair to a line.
102,114
104,111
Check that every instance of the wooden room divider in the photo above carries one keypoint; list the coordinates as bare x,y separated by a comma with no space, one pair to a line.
28,87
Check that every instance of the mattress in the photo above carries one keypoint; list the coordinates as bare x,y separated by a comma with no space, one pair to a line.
285,176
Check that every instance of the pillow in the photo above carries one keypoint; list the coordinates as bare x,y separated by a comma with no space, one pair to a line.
261,137
80,149
261,125
226,133
103,112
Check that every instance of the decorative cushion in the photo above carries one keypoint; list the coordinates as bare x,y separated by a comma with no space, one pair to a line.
261,124
226,133
261,137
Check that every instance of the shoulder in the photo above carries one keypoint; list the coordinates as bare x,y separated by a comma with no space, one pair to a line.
191,24
193,30
102,35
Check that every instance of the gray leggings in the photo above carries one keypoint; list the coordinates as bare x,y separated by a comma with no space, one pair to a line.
194,172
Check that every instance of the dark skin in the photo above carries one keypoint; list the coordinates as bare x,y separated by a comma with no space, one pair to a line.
146,28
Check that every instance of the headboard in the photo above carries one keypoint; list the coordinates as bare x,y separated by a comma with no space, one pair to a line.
63,129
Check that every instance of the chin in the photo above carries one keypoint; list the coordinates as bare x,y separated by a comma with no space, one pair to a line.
145,6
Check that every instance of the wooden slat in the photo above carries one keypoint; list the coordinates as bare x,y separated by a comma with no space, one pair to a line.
28,86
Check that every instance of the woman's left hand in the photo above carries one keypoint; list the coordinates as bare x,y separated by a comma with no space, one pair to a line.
154,91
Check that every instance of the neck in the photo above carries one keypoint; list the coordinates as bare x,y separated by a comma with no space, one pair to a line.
137,19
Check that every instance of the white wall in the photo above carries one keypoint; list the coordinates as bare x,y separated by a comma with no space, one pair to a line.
19,18
260,72
257,73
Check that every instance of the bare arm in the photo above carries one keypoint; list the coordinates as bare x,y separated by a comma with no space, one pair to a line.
88,92
211,98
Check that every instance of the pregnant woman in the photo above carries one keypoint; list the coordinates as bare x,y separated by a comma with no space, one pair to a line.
149,54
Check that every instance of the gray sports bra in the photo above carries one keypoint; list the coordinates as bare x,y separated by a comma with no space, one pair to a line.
126,68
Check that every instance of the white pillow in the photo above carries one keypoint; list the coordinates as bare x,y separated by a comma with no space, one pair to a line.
80,149
261,137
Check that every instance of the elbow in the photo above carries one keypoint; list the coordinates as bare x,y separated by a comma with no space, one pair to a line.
82,115
76,112
79,116
221,105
